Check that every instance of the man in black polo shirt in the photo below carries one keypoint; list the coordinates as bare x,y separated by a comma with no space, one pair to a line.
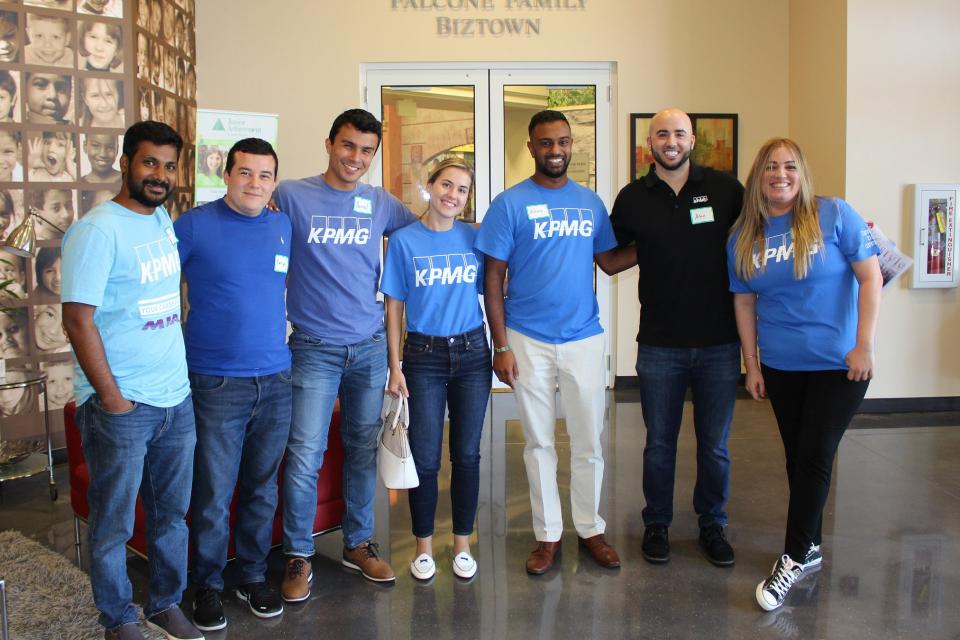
678,215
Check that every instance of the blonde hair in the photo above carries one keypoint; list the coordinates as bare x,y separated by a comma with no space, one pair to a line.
805,226
455,162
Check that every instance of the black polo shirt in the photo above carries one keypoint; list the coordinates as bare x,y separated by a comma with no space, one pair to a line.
681,252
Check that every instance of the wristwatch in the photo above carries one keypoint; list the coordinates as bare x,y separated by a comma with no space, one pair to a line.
502,349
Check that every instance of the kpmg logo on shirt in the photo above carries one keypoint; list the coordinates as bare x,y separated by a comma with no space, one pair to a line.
565,221
157,261
451,268
339,230
780,249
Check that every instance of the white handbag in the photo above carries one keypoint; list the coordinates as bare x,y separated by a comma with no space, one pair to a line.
393,449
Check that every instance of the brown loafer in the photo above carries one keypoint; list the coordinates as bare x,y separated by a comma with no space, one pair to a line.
542,558
605,555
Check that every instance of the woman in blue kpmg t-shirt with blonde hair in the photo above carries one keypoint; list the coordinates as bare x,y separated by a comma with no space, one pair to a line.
806,284
432,271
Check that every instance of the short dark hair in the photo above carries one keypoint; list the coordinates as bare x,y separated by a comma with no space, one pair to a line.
152,131
257,147
361,120
547,115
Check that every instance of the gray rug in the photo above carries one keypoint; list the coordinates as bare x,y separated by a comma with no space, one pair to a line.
47,597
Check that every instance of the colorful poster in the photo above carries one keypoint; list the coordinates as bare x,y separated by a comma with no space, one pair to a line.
217,131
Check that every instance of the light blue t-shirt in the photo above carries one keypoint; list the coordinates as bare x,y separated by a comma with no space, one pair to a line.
548,238
335,256
809,324
126,265
236,271
438,275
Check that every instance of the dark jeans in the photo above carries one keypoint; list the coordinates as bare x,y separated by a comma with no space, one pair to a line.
813,410
452,371
242,430
146,450
665,373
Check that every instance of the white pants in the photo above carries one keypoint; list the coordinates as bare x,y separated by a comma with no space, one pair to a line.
578,368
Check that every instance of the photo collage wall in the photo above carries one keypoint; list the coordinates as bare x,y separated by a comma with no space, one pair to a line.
74,74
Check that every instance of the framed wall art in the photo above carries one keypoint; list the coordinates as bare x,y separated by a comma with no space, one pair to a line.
716,142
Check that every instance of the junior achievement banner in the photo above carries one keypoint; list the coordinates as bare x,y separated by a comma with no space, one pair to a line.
216,132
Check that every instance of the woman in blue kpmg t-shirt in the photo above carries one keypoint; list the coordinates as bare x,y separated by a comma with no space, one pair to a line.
433,271
806,284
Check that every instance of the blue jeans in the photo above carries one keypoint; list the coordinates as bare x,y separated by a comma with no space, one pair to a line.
321,371
712,374
453,371
242,430
152,445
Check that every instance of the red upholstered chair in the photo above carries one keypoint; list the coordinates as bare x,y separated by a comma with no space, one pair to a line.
329,489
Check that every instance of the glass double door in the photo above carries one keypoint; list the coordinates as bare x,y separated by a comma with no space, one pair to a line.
480,113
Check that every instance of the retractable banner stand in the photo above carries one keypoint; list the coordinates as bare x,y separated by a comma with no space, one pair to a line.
217,131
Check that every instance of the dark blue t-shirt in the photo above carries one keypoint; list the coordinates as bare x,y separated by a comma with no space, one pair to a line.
809,324
236,269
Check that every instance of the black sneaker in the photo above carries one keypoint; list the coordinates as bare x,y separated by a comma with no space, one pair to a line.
208,610
714,544
656,544
813,558
773,591
263,599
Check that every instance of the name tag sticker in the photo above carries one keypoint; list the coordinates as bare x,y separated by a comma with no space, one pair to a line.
536,211
171,236
701,215
362,205
280,263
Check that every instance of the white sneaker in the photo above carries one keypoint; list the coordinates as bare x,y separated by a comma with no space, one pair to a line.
464,565
813,558
423,567
773,591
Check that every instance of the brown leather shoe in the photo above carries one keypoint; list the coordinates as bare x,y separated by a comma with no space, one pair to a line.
296,579
541,558
603,553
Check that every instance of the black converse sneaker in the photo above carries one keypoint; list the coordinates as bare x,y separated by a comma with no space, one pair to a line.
772,591
813,557
264,600
208,610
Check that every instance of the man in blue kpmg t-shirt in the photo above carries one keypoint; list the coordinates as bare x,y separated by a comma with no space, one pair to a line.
548,230
121,308
338,344
239,364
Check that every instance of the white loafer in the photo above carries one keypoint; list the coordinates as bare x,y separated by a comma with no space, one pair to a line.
423,567
464,566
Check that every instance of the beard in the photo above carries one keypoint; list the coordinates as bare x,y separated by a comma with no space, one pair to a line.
547,170
139,193
676,164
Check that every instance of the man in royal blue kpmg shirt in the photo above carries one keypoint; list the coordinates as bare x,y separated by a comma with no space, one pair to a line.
240,377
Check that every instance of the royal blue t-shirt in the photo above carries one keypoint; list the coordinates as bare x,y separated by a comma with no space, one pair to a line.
808,324
438,275
126,265
236,270
548,238
335,256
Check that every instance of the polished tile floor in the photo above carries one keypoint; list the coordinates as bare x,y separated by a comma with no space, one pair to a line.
891,532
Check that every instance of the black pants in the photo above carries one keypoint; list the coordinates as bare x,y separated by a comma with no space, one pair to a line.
813,409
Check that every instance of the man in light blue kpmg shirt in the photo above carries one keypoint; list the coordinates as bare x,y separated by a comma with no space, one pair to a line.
121,304
338,344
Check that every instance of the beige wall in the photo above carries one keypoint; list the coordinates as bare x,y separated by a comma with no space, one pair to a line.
818,89
903,128
303,63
